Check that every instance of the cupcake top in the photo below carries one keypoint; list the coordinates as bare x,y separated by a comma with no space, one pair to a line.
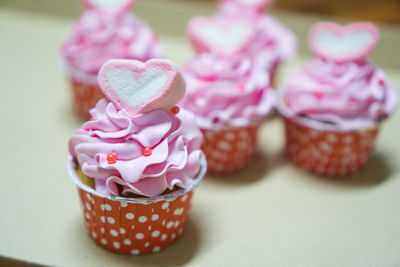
272,41
338,88
137,141
107,30
227,91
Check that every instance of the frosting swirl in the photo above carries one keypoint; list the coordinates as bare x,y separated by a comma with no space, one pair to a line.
273,43
227,91
348,95
99,36
174,139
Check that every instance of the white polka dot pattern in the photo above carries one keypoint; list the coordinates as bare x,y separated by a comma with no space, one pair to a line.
229,150
131,228
328,153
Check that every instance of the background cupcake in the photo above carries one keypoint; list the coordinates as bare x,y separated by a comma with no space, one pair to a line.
274,43
333,106
106,30
229,92
138,159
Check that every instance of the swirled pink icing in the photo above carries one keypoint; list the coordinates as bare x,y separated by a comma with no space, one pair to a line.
99,36
274,42
174,139
346,95
225,91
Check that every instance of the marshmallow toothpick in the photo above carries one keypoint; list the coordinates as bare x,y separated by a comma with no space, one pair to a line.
343,43
220,36
139,87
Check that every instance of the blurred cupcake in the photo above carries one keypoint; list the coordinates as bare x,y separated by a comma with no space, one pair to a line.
274,43
334,105
230,98
138,159
106,30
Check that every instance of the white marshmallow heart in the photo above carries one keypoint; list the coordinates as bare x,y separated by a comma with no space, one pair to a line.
347,43
141,87
109,5
253,3
221,36
134,89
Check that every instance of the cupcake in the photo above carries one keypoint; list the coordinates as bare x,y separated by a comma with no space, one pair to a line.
334,105
230,97
137,160
106,30
273,43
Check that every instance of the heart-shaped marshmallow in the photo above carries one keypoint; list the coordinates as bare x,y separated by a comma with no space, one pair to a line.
112,6
139,87
228,37
256,4
343,43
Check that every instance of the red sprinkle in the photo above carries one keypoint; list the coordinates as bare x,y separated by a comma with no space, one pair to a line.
147,151
111,158
175,110
318,95
242,87
381,82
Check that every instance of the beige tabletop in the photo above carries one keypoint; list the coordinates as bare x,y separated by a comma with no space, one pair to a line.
271,214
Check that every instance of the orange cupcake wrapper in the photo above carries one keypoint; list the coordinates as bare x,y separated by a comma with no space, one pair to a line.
229,150
329,153
135,225
85,97
134,228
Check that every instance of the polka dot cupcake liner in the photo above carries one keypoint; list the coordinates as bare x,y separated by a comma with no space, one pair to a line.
327,152
85,97
134,226
229,150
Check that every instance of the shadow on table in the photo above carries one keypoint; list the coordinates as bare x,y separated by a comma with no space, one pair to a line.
179,253
259,167
10,262
376,171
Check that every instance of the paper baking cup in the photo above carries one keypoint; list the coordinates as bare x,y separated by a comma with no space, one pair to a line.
134,225
229,150
85,89
327,152
85,96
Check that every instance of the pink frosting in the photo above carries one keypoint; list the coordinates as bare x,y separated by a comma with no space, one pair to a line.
274,42
99,36
226,91
347,95
175,141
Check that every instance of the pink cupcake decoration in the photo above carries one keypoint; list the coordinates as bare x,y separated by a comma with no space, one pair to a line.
114,6
353,42
334,105
106,30
273,43
227,37
257,5
230,93
137,160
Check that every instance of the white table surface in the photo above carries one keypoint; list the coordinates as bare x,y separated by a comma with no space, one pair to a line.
272,214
